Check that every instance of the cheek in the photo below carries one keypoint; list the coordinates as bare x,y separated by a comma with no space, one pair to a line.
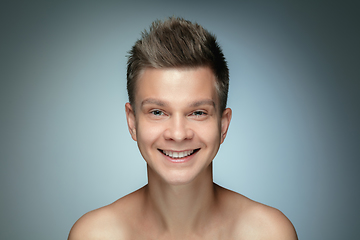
147,133
209,133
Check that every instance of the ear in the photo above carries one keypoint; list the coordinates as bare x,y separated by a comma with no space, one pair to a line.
130,118
225,122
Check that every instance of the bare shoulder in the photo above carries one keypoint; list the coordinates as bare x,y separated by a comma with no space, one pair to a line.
98,224
257,221
269,223
109,222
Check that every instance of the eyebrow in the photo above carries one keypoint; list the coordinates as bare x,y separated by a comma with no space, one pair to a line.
153,101
161,103
203,102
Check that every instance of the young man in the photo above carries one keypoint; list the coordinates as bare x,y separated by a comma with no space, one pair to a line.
177,84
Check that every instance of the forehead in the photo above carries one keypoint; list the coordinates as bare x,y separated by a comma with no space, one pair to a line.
176,85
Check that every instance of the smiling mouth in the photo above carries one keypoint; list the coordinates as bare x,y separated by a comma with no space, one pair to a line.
177,155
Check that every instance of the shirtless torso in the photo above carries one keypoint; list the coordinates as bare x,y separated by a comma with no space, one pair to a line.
237,218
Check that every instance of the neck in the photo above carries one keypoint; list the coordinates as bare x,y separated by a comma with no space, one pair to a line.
181,208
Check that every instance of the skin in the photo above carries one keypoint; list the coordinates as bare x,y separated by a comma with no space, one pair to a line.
177,110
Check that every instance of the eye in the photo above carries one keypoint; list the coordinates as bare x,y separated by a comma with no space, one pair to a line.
157,112
199,113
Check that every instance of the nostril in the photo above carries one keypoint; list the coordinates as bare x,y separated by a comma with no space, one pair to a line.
178,134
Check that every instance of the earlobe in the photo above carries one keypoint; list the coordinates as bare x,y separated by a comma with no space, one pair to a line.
225,122
130,118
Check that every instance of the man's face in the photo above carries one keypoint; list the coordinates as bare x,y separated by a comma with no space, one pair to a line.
177,124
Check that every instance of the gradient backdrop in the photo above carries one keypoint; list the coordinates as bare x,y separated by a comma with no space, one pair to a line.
294,140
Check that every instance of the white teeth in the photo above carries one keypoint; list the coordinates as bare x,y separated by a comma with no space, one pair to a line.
177,154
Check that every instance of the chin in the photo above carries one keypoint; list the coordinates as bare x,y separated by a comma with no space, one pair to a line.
178,178
181,175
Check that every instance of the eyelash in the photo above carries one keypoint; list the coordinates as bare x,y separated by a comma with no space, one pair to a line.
199,113
157,112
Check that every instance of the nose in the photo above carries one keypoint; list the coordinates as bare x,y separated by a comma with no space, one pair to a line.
178,129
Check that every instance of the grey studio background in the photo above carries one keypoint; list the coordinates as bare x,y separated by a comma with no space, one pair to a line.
294,138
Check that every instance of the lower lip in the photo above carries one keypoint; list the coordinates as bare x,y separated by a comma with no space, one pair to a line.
180,160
